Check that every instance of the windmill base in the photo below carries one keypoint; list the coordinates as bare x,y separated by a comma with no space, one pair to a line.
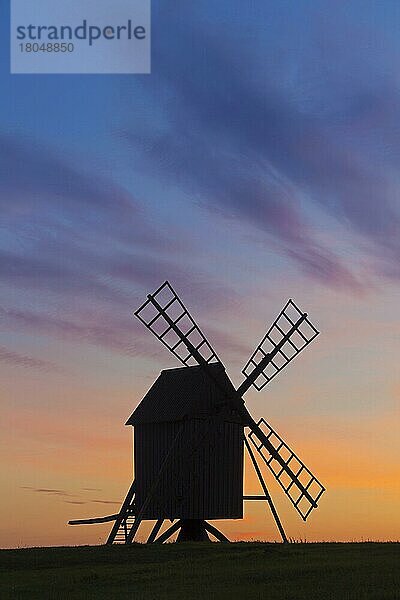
192,530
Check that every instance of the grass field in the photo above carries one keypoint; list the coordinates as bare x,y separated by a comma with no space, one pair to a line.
204,571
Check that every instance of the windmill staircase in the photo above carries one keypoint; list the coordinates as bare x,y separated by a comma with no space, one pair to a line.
126,524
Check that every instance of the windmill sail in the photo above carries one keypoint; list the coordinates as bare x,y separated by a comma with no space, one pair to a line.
299,484
290,333
165,315
168,319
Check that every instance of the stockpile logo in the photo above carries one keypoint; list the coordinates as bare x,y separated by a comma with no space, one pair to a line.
80,36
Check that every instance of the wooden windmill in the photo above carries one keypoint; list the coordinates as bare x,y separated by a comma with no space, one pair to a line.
190,427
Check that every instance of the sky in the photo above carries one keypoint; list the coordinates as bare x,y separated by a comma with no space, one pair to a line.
259,161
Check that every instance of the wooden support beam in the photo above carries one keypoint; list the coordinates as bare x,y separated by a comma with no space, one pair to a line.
94,520
255,498
155,531
215,532
122,513
167,534
265,490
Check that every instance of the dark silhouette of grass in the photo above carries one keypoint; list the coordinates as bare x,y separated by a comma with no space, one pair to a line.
194,571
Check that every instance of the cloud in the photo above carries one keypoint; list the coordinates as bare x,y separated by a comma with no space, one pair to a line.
21,360
86,252
38,188
48,491
115,330
61,225
249,140
112,333
236,187
64,494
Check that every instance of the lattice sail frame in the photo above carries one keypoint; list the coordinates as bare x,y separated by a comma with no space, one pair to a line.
163,311
287,481
153,318
290,333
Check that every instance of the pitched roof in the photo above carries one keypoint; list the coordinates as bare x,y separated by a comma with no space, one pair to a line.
184,392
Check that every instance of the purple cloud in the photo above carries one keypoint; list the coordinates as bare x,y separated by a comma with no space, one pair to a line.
244,140
85,251
21,360
40,191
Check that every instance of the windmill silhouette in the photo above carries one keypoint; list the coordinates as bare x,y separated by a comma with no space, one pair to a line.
190,426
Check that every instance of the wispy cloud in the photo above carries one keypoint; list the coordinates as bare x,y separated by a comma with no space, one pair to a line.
48,491
252,145
39,188
249,140
67,496
21,360
85,250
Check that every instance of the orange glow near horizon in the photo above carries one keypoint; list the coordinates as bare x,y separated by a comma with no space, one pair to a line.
69,470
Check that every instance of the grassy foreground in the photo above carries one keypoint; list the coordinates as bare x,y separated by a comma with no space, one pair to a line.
204,571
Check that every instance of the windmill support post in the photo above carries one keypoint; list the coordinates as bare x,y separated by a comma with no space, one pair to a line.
215,532
154,531
167,534
266,496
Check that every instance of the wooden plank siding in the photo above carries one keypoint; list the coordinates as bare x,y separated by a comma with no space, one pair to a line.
204,477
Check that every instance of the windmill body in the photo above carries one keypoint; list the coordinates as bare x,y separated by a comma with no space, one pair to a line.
192,426
204,476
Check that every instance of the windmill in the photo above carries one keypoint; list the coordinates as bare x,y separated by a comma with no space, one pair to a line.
190,427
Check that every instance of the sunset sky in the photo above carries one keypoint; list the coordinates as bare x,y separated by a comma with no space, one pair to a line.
259,161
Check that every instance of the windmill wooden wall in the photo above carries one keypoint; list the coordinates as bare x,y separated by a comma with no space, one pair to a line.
203,479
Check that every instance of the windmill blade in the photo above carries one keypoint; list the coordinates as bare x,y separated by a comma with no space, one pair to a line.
168,319
299,484
290,333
